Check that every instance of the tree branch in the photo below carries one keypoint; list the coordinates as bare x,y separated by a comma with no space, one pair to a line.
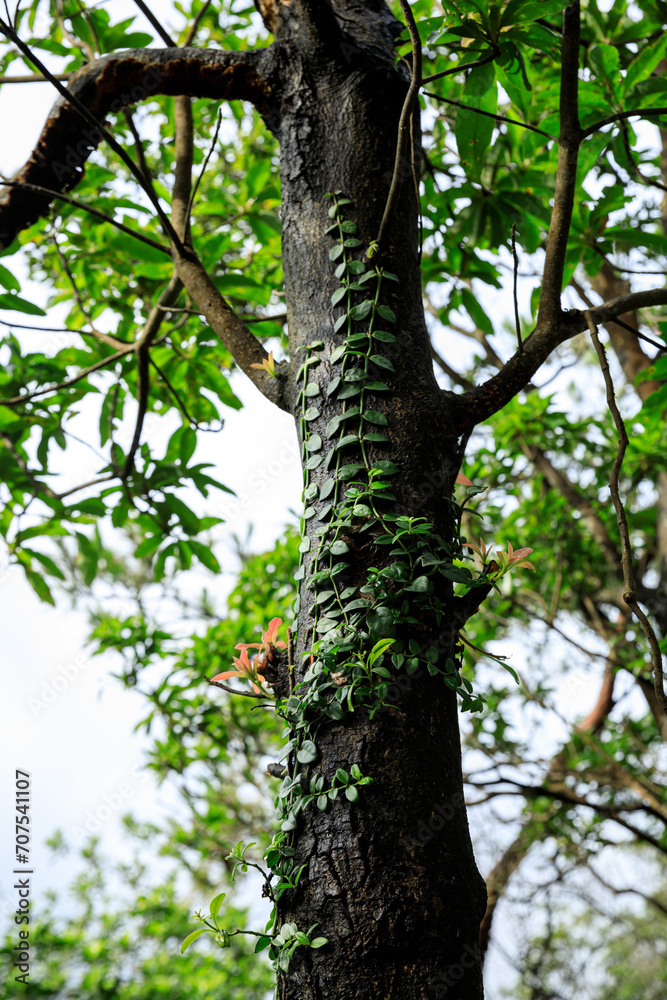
83,110
629,596
480,403
491,114
569,140
51,194
228,327
622,116
105,87
404,130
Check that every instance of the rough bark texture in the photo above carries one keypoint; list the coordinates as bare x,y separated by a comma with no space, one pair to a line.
397,894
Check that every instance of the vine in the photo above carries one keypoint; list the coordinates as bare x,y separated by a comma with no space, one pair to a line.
360,638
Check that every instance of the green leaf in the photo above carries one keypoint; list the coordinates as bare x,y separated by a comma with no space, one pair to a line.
473,131
375,417
308,752
387,313
193,937
8,300
215,904
382,362
645,63
7,280
362,310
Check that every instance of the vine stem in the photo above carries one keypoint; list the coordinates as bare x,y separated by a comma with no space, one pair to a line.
403,125
629,595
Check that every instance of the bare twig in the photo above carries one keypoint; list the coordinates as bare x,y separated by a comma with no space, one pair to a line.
197,21
409,105
448,370
647,180
244,694
492,114
105,337
150,16
629,595
38,189
622,115
59,329
26,397
461,68
191,200
33,78
517,319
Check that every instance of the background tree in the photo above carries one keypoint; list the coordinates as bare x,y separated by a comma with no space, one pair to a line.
548,174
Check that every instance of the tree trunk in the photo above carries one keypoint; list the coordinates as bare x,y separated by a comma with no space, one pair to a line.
391,879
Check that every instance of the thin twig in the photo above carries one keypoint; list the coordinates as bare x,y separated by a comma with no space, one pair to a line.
56,329
150,16
196,23
142,349
204,165
138,145
26,397
177,399
628,152
621,116
411,101
105,337
461,67
33,78
619,322
83,486
517,319
244,694
491,114
629,595
38,189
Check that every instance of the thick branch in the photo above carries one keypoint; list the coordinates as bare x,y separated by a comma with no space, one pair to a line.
569,141
229,328
105,87
482,402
